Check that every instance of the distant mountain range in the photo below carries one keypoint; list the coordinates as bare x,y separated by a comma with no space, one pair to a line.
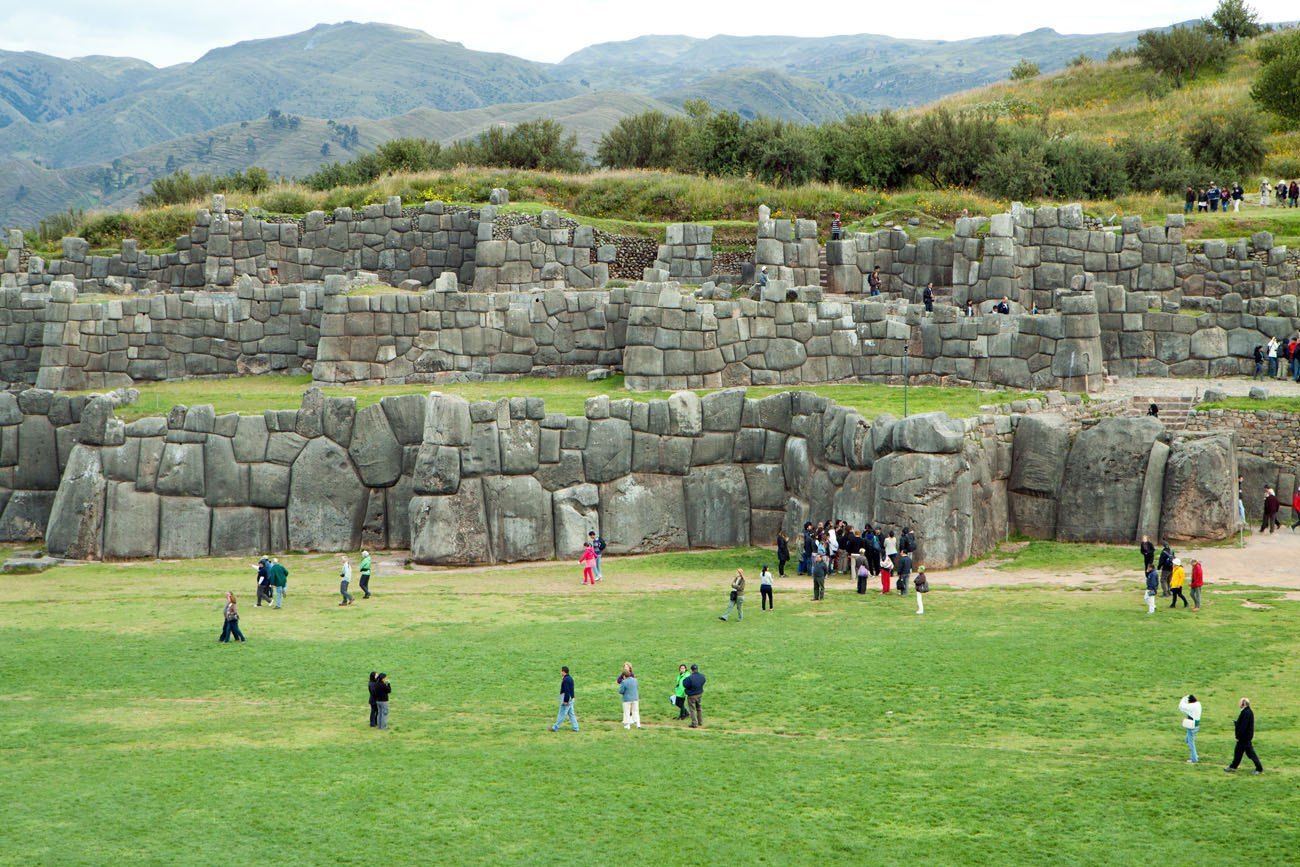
96,131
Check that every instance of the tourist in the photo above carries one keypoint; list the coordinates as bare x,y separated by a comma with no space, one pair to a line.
230,623
566,701
1271,508
1166,563
1263,193
1259,361
1153,582
765,589
1202,204
627,690
1191,710
903,570
782,552
1244,729
1153,410
1238,193
625,673
365,574
264,592
1198,581
1281,194
1148,553
1273,345
737,597
1293,194
279,581
891,545
927,297
970,307
588,561
762,277
598,546
1212,196
1177,578
694,686
1189,201
907,542
863,574
837,228
805,559
819,568
383,689
345,578
874,282
374,705
1295,509
679,692
1003,306
886,573
922,588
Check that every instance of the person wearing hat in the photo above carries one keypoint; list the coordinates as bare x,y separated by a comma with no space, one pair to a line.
1264,188
922,587
762,277
365,574
1177,578
694,686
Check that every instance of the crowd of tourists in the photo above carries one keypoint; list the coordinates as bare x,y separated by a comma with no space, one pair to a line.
1284,195
1166,575
1278,359
687,697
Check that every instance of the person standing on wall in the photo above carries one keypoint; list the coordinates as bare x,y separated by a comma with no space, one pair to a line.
1198,581
927,297
694,685
1244,729
837,228
765,589
566,701
383,689
345,578
782,552
598,546
365,574
1191,711
874,281
922,588
737,597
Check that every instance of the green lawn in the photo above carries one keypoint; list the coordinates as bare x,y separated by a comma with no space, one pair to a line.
253,394
1011,726
1272,404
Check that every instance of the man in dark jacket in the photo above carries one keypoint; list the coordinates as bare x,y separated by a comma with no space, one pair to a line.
263,581
694,685
1148,554
1166,564
819,569
382,690
279,580
927,297
566,701
1245,730
805,561
1271,507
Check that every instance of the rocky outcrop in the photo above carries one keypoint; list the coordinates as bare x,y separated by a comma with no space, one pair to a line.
1101,493
1200,488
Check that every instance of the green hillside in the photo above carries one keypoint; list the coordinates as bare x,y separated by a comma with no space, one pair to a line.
753,92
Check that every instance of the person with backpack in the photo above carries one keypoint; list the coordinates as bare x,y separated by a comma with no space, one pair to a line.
365,574
765,589
230,623
922,588
598,546
1166,564
863,574
1190,708
383,689
374,706
279,581
737,597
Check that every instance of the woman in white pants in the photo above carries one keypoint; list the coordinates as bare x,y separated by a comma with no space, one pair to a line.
627,688
922,587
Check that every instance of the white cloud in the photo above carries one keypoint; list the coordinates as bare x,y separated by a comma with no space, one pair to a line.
165,32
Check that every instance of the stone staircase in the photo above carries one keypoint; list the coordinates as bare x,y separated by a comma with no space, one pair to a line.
1174,411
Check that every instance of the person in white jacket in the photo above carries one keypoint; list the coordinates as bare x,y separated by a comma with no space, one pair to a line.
1191,710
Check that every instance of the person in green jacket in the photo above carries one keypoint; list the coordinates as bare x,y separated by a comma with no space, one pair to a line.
279,580
365,574
679,693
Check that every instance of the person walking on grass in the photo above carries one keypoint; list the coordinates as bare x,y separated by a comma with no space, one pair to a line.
383,689
1197,582
782,552
1190,708
279,581
922,588
588,563
1148,553
365,574
737,598
904,571
374,704
864,572
598,547
1153,584
230,624
1177,579
694,686
628,691
1244,729
679,691
345,578
263,568
819,569
566,701
1271,508
765,589
1166,563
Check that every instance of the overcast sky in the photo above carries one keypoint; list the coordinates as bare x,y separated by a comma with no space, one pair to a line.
167,31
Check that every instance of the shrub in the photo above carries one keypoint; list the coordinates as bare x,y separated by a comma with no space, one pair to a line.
1079,61
1234,19
286,200
1181,52
1233,142
1156,164
1017,167
1277,87
948,149
408,155
867,151
648,140
1079,169
1024,69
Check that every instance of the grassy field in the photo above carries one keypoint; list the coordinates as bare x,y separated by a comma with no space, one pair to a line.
1006,726
1273,404
250,395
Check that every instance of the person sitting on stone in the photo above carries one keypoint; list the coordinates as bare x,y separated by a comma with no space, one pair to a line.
762,277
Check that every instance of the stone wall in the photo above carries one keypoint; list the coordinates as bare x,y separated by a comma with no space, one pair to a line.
1268,451
906,266
483,482
789,250
549,254
675,341
22,324
688,253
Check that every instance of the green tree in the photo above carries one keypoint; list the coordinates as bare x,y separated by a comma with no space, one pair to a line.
1277,87
866,151
1234,20
781,153
1017,167
408,155
647,140
1024,69
1181,52
1231,143
948,149
1152,165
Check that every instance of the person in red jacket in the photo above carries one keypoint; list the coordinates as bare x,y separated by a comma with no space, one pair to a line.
1295,509
588,563
1198,578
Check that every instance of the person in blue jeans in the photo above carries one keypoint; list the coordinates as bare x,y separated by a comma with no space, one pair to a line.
597,545
1191,711
566,702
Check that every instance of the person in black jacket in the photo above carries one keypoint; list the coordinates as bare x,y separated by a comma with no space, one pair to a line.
1148,554
374,708
566,701
783,552
927,297
694,685
382,690
1245,731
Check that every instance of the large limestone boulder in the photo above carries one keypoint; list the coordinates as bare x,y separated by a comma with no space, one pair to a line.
576,513
242,530
327,501
1039,450
642,512
1153,491
25,516
519,521
38,455
854,500
608,454
184,527
1200,488
931,494
76,528
929,433
180,471
374,449
1101,493
130,523
717,507
450,529
1257,473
